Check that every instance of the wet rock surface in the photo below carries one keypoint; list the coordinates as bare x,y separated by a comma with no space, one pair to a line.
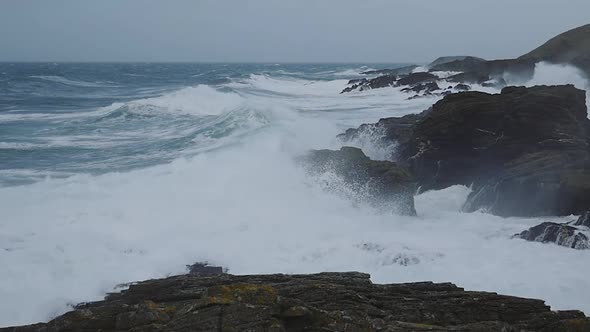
384,183
525,151
558,233
316,302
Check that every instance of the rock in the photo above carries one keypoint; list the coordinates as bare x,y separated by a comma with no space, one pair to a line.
315,302
375,83
398,130
462,63
204,269
470,77
560,234
416,78
358,80
462,87
382,182
474,138
421,80
451,59
423,87
584,220
571,47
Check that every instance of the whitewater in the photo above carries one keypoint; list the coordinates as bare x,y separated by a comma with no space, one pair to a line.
130,181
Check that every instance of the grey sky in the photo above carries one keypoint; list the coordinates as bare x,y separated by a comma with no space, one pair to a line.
279,30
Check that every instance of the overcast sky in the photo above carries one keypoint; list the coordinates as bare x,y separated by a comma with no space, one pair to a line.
279,30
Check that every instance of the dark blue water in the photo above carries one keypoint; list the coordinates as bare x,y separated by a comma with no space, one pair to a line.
62,119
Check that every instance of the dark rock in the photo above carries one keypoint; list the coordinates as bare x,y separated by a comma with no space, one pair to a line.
375,83
382,182
560,234
462,87
416,78
426,87
524,150
394,129
462,63
204,269
316,302
584,220
358,80
411,80
570,47
470,77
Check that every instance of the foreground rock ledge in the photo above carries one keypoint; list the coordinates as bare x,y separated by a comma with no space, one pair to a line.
316,302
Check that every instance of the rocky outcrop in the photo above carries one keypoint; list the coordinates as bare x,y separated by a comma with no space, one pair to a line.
448,59
524,150
416,82
316,302
560,234
570,47
570,234
381,182
463,64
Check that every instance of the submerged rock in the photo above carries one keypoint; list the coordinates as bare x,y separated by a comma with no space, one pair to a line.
381,182
315,302
560,234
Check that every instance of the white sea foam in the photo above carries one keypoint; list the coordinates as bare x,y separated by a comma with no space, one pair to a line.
249,207
552,74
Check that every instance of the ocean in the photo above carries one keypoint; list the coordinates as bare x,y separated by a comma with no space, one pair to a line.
112,173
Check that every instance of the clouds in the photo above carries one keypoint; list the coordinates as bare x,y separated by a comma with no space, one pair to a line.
278,31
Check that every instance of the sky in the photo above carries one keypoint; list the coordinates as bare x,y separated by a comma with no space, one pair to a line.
279,30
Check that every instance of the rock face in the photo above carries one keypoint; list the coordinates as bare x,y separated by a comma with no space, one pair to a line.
383,182
317,302
524,150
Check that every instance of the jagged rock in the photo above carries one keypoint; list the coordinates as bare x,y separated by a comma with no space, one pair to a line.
560,234
316,302
524,150
416,78
584,220
412,80
382,182
423,87
394,129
